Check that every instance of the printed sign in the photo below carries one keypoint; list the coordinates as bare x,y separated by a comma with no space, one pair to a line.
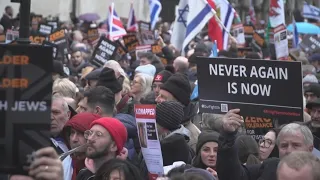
238,33
259,88
147,37
45,29
121,50
54,48
157,50
149,140
11,35
54,24
142,49
37,39
93,35
131,42
281,42
60,39
310,43
104,51
25,99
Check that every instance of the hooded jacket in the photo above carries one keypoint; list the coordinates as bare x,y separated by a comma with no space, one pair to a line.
80,122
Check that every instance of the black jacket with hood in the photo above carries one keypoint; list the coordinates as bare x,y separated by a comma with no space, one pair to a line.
229,167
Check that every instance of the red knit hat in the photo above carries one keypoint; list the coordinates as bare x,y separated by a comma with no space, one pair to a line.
116,129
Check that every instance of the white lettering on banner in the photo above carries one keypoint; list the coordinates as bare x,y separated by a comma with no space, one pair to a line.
231,70
255,89
270,73
98,57
141,111
314,41
24,106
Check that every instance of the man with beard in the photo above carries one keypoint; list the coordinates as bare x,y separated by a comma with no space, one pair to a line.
6,20
106,139
314,125
73,133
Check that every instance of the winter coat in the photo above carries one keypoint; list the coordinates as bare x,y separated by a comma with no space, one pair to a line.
229,166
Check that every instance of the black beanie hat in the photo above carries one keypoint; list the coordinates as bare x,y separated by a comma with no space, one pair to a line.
108,79
58,68
313,88
169,114
206,136
178,85
162,76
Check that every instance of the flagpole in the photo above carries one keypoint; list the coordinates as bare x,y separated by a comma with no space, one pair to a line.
222,25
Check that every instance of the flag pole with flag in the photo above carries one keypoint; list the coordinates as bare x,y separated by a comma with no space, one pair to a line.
180,25
115,27
199,14
132,24
155,9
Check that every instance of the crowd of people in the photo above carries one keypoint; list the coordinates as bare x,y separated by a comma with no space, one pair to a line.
93,107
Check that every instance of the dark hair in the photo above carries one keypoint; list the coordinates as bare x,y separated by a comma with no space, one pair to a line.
178,170
253,55
150,56
187,176
130,171
7,8
101,96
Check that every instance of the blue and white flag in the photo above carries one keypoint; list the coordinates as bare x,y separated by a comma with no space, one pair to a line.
180,25
295,34
155,9
227,13
311,12
200,12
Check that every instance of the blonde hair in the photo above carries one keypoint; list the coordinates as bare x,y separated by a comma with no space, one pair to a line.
112,64
64,87
146,83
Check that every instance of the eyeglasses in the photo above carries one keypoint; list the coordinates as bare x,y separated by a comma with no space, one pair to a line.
265,142
89,133
134,82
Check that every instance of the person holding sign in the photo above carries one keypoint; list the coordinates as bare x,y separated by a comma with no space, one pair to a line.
292,137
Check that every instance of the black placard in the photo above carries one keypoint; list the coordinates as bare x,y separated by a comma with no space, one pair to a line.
121,50
104,51
26,84
54,24
310,43
59,38
45,29
54,48
267,92
131,42
37,38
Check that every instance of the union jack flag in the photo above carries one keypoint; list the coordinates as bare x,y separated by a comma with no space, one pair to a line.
115,27
132,24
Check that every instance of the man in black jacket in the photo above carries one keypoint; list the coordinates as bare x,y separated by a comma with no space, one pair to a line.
6,20
292,137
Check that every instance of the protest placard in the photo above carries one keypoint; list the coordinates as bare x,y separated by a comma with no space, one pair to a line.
37,38
104,51
142,49
281,42
121,50
45,29
11,35
149,140
25,104
238,33
59,38
157,50
131,42
54,24
54,48
310,43
93,35
266,92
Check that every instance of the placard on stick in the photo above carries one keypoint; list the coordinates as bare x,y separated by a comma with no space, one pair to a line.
60,39
266,92
45,29
25,99
104,51
37,38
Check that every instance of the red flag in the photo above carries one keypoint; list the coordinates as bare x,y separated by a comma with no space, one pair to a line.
214,29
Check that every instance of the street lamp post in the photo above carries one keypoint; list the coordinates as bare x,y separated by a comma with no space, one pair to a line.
24,30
